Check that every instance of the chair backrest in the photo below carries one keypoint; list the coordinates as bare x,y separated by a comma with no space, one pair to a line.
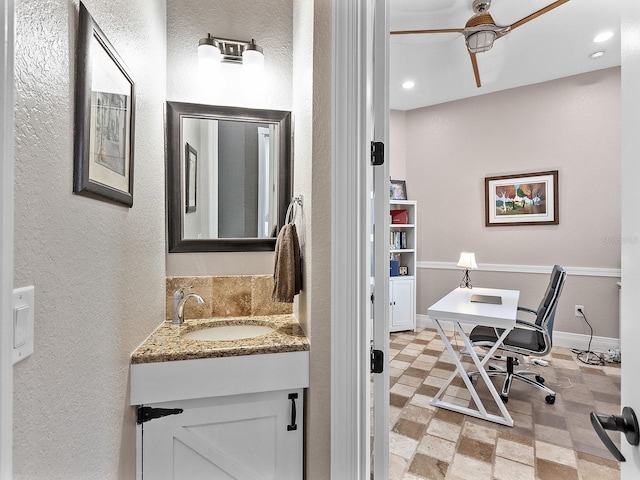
546,312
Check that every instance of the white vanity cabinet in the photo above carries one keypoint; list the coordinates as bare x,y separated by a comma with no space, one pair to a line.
253,436
238,417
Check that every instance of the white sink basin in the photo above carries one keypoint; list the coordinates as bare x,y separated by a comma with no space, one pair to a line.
228,332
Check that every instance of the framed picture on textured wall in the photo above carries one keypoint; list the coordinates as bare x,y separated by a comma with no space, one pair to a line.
104,117
522,199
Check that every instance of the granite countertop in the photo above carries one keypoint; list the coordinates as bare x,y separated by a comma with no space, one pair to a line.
166,343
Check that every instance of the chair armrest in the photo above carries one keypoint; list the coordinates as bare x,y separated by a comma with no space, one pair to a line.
531,326
528,310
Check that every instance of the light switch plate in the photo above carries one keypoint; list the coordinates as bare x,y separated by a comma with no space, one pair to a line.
23,306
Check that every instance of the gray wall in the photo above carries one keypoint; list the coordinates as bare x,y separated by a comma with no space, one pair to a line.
571,125
238,180
98,268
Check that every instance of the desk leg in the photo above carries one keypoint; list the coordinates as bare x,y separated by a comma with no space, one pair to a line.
481,412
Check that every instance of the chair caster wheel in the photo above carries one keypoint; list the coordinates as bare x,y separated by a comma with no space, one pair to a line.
539,379
504,398
550,399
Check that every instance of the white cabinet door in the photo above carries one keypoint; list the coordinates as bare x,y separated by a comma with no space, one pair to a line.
248,437
402,313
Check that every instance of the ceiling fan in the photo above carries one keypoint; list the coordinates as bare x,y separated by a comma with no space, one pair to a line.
481,30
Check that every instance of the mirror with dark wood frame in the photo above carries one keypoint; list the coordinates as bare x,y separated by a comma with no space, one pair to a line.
228,177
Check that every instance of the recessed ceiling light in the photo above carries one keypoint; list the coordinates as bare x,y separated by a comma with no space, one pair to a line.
597,54
603,37
408,84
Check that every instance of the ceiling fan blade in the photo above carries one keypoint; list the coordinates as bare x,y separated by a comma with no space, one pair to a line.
438,30
476,72
542,11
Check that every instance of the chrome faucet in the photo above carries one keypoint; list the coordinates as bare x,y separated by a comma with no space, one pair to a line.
179,299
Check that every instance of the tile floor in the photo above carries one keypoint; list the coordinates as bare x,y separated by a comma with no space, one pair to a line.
547,442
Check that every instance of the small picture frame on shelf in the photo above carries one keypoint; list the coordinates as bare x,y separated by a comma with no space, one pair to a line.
398,190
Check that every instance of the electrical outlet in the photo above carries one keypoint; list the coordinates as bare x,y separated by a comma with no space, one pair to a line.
578,309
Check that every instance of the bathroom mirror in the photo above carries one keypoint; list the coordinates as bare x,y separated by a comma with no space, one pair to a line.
228,177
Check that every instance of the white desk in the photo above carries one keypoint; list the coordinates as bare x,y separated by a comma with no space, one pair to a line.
457,307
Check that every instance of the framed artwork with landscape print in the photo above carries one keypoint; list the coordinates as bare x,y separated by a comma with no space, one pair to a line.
104,118
522,199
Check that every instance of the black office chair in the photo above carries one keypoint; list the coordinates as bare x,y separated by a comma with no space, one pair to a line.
525,339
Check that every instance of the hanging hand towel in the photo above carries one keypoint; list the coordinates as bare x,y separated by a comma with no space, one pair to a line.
287,272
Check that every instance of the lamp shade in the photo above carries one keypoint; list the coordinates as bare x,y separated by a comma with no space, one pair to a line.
468,260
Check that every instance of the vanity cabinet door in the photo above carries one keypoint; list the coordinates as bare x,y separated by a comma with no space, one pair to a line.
253,436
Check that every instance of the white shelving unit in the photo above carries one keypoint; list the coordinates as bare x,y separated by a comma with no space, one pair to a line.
402,247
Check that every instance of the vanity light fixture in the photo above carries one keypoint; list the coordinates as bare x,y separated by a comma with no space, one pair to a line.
213,50
467,261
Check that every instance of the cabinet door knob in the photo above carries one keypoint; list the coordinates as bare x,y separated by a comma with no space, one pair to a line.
292,425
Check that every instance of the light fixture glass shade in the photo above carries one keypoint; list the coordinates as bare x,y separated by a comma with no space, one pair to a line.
603,37
468,260
252,56
481,41
209,55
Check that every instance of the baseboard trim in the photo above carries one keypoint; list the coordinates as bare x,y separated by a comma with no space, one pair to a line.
560,339
541,269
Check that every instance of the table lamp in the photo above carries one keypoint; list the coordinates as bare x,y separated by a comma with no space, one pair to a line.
467,261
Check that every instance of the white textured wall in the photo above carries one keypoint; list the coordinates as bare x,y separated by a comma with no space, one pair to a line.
312,111
271,25
296,37
571,125
98,268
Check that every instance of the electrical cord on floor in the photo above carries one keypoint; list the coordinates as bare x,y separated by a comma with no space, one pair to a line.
587,356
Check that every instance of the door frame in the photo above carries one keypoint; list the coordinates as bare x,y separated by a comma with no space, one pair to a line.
351,238
381,320
7,30
630,231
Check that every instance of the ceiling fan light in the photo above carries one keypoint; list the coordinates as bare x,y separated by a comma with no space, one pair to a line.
480,41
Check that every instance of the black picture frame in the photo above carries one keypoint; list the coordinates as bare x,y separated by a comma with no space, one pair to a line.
175,113
191,178
104,118
398,190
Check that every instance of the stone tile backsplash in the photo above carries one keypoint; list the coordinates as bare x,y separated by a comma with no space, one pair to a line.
227,296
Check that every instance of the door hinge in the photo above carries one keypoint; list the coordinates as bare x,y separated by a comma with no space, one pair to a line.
377,361
377,153
148,413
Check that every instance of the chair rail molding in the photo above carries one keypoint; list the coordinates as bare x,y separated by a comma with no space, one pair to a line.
541,269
